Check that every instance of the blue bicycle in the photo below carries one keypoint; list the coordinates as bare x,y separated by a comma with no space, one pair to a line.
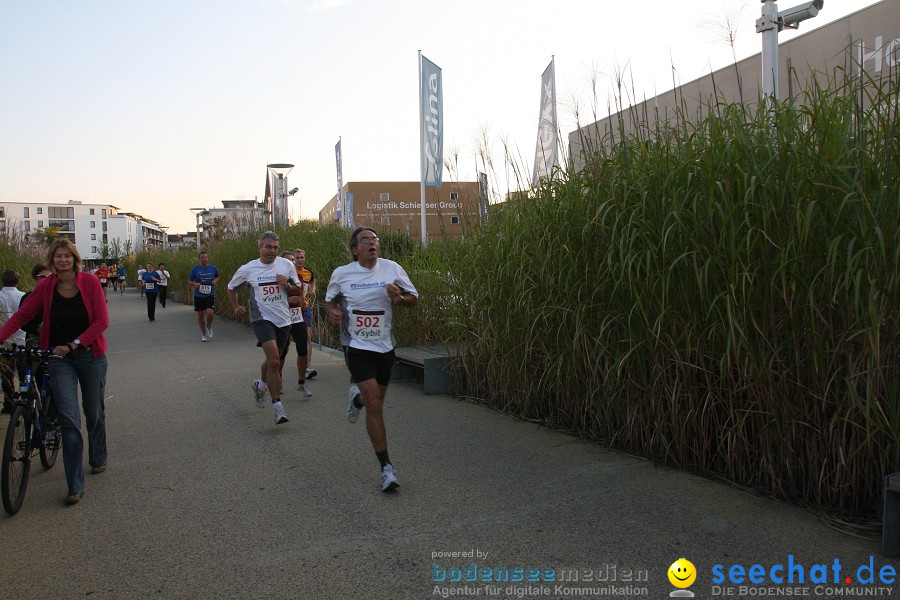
33,426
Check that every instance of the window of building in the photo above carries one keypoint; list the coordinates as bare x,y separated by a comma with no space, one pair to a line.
27,226
62,225
103,212
61,212
383,196
93,237
40,224
94,249
40,210
93,224
454,220
454,195
92,211
103,226
2,212
26,212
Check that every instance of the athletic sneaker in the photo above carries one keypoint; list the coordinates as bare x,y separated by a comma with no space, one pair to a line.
352,411
303,391
260,394
388,478
203,338
280,417
310,373
209,332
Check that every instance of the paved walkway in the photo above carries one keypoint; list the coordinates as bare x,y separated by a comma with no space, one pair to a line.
206,498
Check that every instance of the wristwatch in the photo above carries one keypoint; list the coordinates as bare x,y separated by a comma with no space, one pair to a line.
74,344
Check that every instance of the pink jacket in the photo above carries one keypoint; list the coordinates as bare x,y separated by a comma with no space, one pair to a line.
42,297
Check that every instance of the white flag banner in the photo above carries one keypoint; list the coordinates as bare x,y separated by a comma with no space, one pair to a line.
340,180
545,156
431,97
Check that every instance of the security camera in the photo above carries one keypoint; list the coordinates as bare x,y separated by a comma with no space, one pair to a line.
791,17
296,189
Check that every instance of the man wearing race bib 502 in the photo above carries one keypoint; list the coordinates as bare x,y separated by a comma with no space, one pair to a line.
270,279
360,296
203,279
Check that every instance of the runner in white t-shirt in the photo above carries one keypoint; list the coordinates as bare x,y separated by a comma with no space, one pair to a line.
269,278
360,297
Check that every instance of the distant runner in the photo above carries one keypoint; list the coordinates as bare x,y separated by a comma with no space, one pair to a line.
203,279
309,297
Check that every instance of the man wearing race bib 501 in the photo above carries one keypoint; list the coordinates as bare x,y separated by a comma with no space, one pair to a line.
360,296
203,279
270,279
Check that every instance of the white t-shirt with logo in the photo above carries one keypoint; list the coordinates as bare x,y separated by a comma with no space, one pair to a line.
367,323
268,300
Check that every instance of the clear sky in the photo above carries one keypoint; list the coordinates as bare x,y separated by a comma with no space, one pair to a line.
156,106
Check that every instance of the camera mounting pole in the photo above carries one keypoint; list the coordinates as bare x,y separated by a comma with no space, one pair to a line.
769,24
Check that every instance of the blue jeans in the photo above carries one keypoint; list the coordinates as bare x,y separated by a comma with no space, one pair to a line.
80,367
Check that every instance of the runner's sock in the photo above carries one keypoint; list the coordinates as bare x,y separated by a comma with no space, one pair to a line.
383,458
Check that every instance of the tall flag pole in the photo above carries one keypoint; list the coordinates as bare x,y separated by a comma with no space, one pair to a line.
545,155
431,127
341,209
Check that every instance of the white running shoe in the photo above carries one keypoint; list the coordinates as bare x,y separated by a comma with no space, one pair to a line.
280,417
388,478
304,391
203,338
209,332
352,411
260,394
310,373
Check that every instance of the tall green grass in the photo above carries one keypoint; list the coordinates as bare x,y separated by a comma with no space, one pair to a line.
720,296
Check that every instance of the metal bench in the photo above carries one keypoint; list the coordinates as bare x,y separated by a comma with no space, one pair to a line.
429,364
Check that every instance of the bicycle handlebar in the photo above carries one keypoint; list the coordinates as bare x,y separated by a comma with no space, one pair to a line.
22,351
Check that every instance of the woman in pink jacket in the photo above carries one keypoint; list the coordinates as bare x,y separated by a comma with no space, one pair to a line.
75,317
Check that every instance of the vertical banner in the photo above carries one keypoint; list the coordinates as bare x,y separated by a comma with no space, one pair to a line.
348,200
431,96
545,156
482,197
340,180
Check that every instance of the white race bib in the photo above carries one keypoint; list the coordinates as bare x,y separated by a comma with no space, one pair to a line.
296,314
205,289
271,293
103,280
149,286
367,325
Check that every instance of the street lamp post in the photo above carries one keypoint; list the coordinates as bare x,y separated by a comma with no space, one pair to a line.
197,212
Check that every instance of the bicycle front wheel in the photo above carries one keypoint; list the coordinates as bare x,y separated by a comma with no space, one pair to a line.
16,460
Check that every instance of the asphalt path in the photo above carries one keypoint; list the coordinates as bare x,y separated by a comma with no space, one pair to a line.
205,497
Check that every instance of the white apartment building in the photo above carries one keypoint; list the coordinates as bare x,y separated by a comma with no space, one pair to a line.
89,226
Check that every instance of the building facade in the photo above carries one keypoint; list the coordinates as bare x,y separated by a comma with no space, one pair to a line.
865,44
235,218
95,229
396,207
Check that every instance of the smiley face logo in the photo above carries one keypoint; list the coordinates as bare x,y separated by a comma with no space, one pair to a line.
682,573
